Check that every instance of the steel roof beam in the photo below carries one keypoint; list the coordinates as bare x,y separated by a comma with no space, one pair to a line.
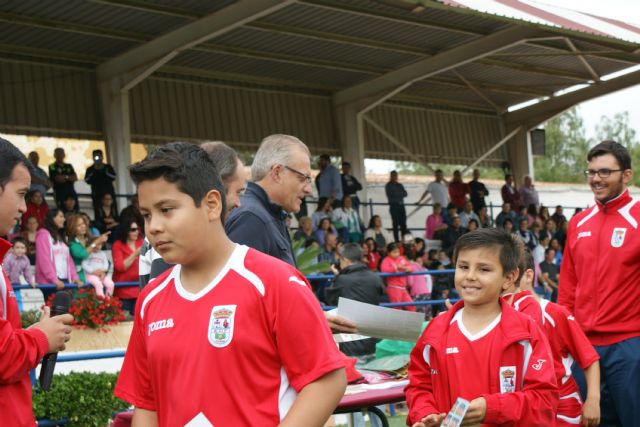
399,79
543,111
143,60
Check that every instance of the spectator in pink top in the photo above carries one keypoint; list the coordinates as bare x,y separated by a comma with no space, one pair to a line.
434,222
53,259
397,285
16,263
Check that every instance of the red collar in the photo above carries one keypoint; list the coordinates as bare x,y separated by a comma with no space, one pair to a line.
621,200
4,248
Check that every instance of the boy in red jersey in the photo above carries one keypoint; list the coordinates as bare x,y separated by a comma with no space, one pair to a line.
567,342
482,349
229,336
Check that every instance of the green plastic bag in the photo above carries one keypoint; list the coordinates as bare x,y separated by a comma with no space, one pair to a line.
387,348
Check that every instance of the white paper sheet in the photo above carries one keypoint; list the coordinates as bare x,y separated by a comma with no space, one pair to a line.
382,322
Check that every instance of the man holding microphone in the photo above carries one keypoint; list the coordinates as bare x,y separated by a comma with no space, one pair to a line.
20,350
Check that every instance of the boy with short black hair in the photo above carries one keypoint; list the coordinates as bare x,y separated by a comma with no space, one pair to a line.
228,336
482,349
567,341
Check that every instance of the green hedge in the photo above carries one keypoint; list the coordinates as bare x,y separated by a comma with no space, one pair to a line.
84,398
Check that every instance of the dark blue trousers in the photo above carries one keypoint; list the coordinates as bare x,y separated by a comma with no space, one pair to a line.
619,383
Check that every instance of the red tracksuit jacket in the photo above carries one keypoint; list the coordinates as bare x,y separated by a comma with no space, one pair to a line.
521,344
20,350
600,273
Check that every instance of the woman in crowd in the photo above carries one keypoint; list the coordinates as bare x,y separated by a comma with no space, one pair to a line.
125,252
106,216
378,233
78,238
323,211
549,229
397,285
544,214
472,226
508,226
31,226
434,223
36,207
53,258
70,206
305,231
347,221
324,227
371,254
485,220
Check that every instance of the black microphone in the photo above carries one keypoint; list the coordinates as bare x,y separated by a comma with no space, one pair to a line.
60,305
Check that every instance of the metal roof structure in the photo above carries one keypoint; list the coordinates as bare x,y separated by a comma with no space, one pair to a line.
431,81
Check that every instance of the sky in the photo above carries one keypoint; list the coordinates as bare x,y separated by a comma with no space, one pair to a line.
608,105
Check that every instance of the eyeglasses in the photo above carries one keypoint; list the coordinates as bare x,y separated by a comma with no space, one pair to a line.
602,173
306,177
133,229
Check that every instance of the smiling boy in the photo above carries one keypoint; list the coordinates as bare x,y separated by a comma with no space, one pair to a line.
482,349
228,336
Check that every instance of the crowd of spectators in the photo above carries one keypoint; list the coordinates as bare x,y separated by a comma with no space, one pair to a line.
59,244
64,245
458,207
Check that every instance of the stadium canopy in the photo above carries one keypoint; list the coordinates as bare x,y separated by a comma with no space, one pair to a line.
427,81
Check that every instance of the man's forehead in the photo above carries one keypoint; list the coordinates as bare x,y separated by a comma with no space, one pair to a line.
607,160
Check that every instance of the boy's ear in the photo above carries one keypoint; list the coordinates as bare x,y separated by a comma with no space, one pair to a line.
511,278
213,203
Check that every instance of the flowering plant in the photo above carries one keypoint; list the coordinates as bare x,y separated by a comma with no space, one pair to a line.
92,311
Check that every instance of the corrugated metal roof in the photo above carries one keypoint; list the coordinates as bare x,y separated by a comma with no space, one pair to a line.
97,15
313,49
553,16
281,69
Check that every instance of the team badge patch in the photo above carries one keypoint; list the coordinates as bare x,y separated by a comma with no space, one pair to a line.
617,238
221,325
507,379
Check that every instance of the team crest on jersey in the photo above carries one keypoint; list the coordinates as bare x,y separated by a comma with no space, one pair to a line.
507,379
221,325
617,238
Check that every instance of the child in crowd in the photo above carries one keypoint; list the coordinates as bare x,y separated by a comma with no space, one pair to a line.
96,267
481,349
227,326
16,263
568,343
397,285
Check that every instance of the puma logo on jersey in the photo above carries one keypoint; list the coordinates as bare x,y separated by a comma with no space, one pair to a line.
584,234
571,317
452,350
298,281
160,324
538,366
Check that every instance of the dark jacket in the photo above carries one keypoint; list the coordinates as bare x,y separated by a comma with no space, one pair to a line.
260,224
358,283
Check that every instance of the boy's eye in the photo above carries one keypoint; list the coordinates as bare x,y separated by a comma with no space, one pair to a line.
166,210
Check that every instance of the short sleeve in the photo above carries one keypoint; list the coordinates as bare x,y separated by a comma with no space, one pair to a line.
576,341
134,382
305,344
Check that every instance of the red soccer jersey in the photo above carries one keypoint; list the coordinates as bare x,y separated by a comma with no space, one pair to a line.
525,302
234,354
568,342
465,353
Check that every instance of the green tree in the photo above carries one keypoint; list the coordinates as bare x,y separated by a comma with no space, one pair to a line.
566,148
619,129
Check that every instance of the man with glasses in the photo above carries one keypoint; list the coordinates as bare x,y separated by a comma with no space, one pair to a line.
281,179
600,281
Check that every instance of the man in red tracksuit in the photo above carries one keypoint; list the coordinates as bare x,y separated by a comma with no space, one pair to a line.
600,281
482,349
20,350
